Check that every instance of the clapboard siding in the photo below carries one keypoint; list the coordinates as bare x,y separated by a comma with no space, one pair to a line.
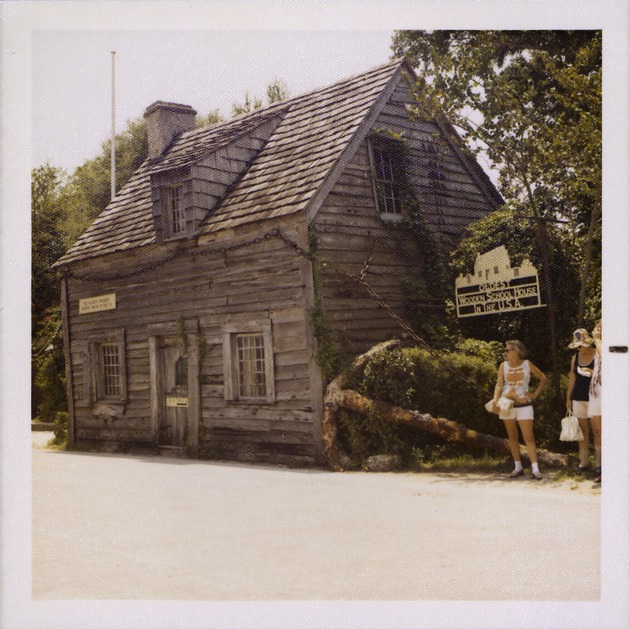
349,227
259,281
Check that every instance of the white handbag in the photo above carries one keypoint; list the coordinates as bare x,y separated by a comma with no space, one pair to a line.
571,430
505,406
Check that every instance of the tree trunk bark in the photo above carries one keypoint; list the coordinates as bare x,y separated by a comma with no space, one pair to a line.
595,214
331,408
551,306
445,428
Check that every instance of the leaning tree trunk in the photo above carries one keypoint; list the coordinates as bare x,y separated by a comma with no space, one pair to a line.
337,397
331,406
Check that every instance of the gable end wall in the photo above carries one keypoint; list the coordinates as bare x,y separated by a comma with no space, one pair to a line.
349,227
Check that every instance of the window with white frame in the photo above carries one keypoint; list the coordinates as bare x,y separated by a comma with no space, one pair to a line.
108,369
248,362
250,366
386,178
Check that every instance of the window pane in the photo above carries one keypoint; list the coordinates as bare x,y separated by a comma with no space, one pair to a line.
178,224
252,381
387,186
111,370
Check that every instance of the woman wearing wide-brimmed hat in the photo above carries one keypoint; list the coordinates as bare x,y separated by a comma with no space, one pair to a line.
582,366
513,383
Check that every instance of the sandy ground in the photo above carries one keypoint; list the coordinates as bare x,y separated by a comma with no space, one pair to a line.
41,438
125,527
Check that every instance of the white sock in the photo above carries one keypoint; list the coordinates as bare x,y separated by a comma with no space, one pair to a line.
535,469
518,466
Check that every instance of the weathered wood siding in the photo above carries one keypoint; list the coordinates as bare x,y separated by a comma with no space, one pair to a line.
211,287
449,187
349,226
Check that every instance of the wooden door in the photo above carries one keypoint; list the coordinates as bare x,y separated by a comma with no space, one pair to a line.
174,388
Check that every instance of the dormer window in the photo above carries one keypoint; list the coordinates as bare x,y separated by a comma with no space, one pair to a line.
173,216
387,178
174,202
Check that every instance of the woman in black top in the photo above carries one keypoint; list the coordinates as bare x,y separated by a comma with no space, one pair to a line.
582,365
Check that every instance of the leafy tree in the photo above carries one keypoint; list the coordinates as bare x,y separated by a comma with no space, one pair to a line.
214,117
276,91
89,189
48,393
250,104
530,102
47,240
48,366
62,208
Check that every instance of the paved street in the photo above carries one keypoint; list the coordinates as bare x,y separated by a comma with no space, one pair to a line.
124,527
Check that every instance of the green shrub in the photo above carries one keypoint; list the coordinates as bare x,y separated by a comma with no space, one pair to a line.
48,367
392,376
60,429
489,351
362,436
414,378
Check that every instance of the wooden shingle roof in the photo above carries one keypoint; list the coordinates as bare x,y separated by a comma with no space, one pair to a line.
286,176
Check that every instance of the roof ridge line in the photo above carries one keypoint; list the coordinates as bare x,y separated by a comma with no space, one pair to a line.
240,177
281,112
292,99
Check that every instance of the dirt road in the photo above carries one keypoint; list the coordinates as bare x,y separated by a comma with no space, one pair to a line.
124,527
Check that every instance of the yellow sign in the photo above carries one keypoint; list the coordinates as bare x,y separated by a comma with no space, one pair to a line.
176,402
97,304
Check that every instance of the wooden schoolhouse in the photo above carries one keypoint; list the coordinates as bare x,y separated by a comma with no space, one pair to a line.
189,305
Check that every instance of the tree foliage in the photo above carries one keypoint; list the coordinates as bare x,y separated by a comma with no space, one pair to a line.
214,117
276,91
47,211
530,103
47,243
48,366
62,208
251,103
89,189
530,99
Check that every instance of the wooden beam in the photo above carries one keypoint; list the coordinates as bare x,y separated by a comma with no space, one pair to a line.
65,319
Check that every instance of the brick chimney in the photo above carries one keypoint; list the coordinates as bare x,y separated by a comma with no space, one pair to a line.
164,122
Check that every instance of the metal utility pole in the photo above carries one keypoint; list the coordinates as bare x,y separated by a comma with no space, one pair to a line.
113,165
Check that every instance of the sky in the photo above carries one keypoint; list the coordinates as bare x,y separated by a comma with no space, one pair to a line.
72,76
